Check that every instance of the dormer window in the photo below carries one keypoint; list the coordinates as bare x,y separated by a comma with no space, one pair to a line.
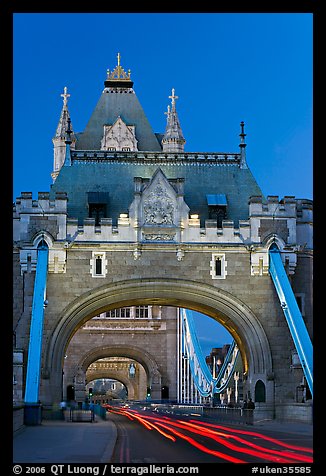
97,205
217,205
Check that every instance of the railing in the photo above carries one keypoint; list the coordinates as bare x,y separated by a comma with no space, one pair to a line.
86,413
230,415
221,413
74,415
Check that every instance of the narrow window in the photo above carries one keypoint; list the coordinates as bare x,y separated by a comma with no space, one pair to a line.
218,267
29,263
98,265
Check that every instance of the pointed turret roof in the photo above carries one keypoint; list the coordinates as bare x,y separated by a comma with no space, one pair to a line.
118,99
173,139
64,117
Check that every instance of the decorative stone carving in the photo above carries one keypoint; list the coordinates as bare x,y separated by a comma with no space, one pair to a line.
180,255
158,211
159,236
158,207
137,254
119,136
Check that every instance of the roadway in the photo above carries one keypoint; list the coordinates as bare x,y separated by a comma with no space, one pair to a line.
146,437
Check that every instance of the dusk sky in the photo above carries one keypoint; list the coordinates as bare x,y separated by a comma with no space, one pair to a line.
225,68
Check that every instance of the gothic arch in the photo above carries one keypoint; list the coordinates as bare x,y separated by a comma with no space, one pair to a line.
235,315
131,352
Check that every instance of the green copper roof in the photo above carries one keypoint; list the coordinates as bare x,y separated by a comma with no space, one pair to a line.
115,102
116,180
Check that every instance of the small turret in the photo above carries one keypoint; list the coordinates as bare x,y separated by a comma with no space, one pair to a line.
173,140
59,140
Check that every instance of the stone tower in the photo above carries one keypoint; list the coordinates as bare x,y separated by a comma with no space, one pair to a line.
132,219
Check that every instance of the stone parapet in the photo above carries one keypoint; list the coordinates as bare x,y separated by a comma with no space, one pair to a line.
144,157
273,207
26,204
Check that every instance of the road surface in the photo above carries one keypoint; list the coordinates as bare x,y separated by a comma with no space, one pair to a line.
146,437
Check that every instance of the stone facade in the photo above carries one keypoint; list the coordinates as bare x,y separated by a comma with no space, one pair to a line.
154,245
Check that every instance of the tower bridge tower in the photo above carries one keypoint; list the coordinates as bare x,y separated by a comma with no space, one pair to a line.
132,219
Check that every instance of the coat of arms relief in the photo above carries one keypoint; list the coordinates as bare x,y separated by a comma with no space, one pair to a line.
158,207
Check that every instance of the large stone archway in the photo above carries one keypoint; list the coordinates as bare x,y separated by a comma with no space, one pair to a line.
234,314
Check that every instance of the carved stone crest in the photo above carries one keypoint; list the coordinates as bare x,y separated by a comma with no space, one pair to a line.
158,207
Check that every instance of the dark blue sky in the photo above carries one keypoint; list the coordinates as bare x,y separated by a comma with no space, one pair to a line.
225,68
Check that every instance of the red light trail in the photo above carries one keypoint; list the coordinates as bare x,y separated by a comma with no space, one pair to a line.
236,440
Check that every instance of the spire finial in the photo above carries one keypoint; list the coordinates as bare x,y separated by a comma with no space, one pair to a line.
242,134
173,98
65,96
242,145
118,75
173,140
168,112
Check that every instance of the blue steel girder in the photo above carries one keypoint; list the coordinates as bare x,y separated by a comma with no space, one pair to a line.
36,328
201,374
292,314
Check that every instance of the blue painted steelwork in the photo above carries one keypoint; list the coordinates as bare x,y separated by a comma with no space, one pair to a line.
201,374
227,370
227,359
292,314
36,329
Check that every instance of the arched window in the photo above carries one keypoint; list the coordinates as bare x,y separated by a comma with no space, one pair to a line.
260,391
